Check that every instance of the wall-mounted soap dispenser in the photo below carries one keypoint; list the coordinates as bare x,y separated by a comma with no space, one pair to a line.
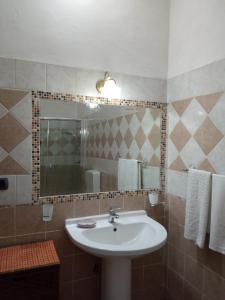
47,212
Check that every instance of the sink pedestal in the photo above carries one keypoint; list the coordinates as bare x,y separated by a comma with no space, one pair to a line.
116,278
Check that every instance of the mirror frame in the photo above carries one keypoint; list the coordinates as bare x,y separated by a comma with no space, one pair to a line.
37,96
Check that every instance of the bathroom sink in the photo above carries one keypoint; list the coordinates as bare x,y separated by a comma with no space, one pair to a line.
133,234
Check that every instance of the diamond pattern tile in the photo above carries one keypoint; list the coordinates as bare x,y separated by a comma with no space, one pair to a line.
9,166
128,138
209,101
181,106
206,166
207,136
155,161
140,114
192,153
193,116
3,110
140,138
3,154
197,130
133,135
155,113
11,132
118,139
154,136
180,136
10,98
178,165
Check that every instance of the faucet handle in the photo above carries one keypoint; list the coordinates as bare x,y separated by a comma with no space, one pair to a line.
114,209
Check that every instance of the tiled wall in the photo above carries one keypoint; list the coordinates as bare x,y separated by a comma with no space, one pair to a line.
28,75
196,133
135,136
196,124
15,145
192,273
196,137
22,224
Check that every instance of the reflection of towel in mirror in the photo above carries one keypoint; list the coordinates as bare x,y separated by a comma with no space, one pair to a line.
197,206
129,174
151,177
217,225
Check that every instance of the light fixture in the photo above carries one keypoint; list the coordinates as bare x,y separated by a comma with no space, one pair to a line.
107,87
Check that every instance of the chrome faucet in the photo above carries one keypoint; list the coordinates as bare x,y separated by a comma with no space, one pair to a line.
113,214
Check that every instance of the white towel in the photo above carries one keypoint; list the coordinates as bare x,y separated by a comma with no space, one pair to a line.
92,181
197,206
151,177
129,174
217,224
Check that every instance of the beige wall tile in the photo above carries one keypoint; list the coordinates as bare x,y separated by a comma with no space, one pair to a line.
175,285
176,209
66,268
194,273
30,238
29,219
190,293
85,265
11,132
180,136
133,203
61,212
208,136
137,279
181,106
106,204
86,289
7,222
176,236
9,166
87,207
10,98
209,101
213,285
62,243
66,291
154,276
176,260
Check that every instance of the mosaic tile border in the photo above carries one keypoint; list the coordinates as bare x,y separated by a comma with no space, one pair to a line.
38,95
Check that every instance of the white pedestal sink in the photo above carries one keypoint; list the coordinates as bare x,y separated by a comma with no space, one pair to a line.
133,234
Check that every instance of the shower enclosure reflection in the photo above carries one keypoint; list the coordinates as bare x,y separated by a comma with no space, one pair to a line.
61,172
91,148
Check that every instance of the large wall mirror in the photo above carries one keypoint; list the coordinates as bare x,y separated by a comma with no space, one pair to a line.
91,147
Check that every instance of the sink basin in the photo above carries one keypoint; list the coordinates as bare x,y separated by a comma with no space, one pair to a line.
133,234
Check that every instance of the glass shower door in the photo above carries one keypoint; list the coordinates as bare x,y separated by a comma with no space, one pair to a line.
60,157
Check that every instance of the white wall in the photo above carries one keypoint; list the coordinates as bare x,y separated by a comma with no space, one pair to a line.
197,31
125,36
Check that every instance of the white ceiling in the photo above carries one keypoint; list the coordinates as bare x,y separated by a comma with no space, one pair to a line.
127,36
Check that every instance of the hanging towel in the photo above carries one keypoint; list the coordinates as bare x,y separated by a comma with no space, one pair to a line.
151,177
217,224
129,174
197,206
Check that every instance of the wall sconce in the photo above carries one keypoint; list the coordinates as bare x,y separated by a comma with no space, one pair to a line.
107,87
